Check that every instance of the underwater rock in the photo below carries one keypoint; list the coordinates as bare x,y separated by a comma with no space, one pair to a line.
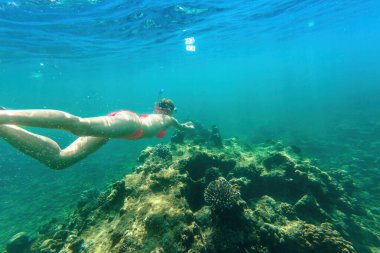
102,198
199,162
51,246
345,179
129,246
61,235
116,237
117,193
76,245
87,196
234,230
268,210
194,192
279,159
212,174
48,228
308,206
287,211
199,135
63,241
270,235
162,180
215,137
178,137
158,250
160,151
301,237
257,198
203,217
19,243
145,154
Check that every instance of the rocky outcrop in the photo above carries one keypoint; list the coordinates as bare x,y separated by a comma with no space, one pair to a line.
195,196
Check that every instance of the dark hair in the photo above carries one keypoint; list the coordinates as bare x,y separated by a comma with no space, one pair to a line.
165,106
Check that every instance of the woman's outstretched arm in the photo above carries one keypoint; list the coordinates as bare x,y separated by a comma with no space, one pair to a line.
48,151
173,123
119,125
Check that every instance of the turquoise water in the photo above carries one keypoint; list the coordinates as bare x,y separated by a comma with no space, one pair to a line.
305,72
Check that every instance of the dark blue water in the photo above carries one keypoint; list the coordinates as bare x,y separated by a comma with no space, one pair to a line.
305,72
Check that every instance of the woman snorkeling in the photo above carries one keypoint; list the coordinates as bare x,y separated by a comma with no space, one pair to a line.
93,132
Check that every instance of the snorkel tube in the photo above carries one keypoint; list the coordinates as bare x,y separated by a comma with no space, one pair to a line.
159,98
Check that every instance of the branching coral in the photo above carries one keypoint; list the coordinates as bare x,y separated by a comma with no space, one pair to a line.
221,195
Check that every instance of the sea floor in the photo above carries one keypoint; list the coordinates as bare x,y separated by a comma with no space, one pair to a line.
37,198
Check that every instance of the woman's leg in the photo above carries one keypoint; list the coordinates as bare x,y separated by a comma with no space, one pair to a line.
104,126
48,151
38,118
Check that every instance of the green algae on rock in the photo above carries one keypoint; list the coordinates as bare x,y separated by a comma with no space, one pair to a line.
276,202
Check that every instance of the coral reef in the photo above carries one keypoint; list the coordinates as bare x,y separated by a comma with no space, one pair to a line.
194,196
221,195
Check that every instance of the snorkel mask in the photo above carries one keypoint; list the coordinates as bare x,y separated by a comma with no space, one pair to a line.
164,106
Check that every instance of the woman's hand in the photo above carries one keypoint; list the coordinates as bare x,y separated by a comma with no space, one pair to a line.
188,125
173,123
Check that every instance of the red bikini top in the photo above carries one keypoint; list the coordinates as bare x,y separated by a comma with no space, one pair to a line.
139,132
